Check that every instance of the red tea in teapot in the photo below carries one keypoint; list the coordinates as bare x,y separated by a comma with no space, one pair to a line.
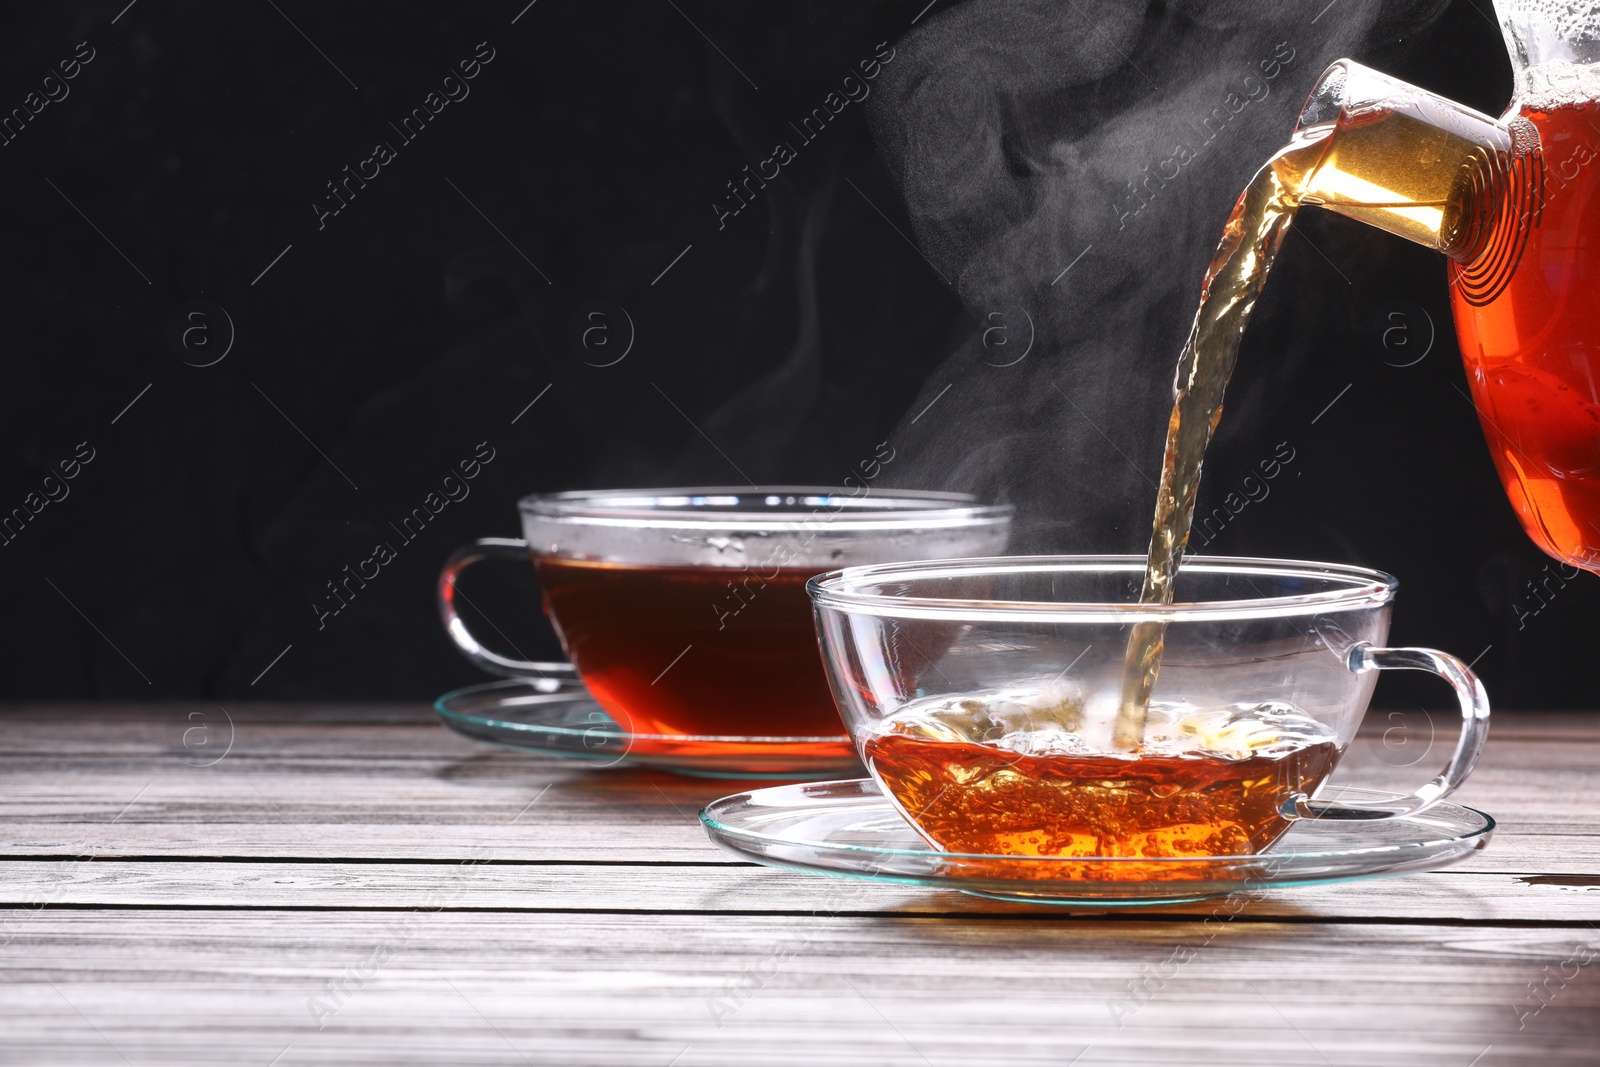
1532,349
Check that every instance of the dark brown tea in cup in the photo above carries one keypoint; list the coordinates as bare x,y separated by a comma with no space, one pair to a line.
663,647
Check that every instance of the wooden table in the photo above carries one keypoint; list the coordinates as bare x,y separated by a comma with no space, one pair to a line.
357,885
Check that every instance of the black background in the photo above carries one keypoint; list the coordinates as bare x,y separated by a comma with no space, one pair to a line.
383,346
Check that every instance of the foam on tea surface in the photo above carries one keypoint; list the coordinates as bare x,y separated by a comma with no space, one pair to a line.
1016,773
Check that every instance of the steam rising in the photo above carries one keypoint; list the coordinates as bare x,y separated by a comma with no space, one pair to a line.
1072,164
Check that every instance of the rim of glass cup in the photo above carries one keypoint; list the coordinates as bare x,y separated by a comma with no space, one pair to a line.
1353,588
781,508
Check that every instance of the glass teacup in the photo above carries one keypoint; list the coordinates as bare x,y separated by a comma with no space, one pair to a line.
684,611
981,695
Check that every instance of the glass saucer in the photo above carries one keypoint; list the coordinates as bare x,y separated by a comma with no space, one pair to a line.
850,829
558,717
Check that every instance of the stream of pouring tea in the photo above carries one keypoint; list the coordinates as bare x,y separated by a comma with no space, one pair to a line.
1250,242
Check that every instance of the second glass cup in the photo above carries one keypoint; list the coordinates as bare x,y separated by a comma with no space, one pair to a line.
684,611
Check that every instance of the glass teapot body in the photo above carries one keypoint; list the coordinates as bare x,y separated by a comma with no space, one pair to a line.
1514,203
1532,346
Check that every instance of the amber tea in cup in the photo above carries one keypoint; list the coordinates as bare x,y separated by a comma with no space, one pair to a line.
1182,794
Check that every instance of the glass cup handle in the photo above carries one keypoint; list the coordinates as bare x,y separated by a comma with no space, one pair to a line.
1474,731
491,661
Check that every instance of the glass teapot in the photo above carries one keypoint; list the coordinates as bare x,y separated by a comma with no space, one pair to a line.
1514,203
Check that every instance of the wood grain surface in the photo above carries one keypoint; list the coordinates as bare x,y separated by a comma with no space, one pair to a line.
358,885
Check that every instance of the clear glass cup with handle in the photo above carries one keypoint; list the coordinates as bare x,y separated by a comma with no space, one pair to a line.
981,695
684,611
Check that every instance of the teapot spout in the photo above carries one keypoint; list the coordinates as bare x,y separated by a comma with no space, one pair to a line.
1408,161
